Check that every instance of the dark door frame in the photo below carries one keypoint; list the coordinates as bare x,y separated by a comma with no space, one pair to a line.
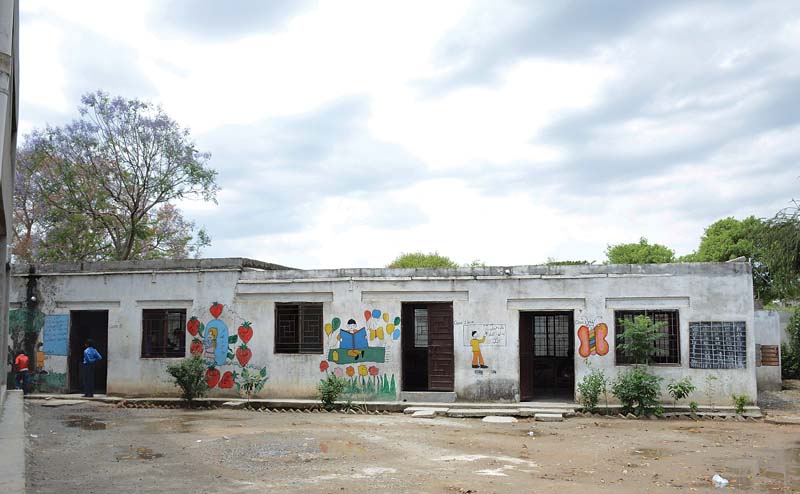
78,333
528,359
435,370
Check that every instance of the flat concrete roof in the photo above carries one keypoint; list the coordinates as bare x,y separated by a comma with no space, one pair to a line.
210,264
585,270
258,270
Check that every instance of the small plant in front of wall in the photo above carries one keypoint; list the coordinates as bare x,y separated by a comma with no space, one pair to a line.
329,389
190,375
591,386
680,389
693,407
711,389
739,402
250,383
638,391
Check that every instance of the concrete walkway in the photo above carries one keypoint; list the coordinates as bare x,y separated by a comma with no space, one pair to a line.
12,443
304,403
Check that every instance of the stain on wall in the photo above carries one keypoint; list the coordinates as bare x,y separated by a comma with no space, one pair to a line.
355,348
227,356
490,390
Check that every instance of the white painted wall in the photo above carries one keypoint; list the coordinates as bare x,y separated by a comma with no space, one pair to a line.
768,332
700,292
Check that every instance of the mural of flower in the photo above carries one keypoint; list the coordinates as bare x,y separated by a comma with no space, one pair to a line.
323,366
337,372
350,371
373,371
362,370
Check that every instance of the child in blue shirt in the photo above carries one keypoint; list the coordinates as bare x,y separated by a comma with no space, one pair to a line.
90,356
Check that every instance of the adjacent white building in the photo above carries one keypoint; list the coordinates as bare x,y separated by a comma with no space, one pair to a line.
516,333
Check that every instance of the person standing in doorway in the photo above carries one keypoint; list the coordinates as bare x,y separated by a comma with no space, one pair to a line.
21,366
90,356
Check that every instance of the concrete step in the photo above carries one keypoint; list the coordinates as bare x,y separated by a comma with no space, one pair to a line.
428,396
482,412
435,410
549,417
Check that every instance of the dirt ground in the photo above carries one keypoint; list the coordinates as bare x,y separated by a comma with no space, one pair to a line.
96,448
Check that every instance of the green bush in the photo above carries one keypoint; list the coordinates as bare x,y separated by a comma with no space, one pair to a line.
790,352
590,388
681,389
693,406
189,375
638,391
739,402
329,389
638,339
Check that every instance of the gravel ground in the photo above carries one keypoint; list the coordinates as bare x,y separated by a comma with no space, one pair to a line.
96,448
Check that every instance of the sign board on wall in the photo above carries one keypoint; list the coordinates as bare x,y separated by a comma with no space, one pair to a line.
55,334
495,333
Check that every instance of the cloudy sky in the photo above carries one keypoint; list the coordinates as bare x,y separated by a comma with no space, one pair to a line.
347,132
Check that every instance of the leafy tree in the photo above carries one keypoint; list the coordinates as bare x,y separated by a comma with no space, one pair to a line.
638,339
780,243
728,239
421,260
639,253
104,187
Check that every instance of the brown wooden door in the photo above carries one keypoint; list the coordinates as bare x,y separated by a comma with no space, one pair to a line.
440,347
526,356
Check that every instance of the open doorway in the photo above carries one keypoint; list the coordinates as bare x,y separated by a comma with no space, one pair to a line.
546,356
85,324
427,330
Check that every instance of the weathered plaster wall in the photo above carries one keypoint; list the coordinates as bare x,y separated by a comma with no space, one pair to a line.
124,296
489,298
767,330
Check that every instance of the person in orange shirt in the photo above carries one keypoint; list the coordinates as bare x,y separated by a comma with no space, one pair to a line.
477,356
21,366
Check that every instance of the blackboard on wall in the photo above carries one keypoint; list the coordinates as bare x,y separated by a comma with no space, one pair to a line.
717,345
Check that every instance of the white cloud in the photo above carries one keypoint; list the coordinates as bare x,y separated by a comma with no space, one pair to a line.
549,137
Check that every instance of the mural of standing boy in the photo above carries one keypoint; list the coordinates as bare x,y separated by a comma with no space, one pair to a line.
477,357
353,340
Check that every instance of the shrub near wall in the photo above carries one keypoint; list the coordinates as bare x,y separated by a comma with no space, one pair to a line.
790,352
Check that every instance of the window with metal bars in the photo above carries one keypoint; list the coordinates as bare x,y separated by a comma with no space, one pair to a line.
551,335
163,333
669,348
718,345
298,328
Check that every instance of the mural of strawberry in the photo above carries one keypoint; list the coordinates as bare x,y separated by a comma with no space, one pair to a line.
216,310
193,326
245,332
212,377
196,347
227,380
243,355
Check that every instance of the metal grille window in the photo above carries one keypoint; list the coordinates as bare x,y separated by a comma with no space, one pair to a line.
298,328
717,345
669,349
551,335
421,328
163,333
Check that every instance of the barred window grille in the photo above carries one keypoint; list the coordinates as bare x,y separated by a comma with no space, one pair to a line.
668,348
163,333
298,328
717,345
551,335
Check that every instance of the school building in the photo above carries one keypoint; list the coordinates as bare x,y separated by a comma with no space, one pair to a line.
517,333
